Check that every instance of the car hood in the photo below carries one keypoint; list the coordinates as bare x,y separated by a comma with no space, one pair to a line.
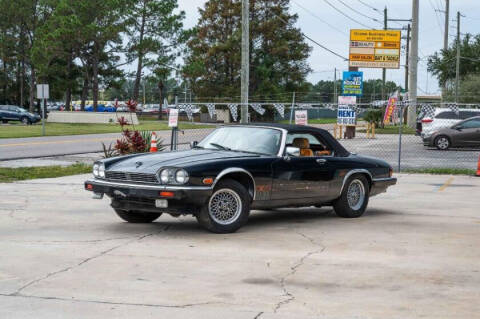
151,162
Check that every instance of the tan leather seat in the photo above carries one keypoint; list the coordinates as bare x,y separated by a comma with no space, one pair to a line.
303,145
323,153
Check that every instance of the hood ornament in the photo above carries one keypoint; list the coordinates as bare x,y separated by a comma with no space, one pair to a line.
138,164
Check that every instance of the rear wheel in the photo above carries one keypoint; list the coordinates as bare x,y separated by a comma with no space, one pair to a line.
442,143
354,199
227,209
137,217
25,120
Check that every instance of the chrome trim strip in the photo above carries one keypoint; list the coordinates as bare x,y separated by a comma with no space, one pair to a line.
154,187
385,179
350,173
235,170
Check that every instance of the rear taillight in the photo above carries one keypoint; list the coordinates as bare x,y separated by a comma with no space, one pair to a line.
427,120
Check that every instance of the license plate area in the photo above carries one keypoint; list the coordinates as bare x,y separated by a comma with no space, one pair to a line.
161,203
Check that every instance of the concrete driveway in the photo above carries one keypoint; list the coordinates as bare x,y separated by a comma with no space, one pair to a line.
414,254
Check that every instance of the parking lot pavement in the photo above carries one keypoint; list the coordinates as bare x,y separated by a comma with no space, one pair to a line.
414,254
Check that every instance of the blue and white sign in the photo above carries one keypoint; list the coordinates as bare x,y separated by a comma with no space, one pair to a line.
352,84
346,115
346,110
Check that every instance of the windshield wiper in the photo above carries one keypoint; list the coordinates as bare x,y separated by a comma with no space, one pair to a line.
221,147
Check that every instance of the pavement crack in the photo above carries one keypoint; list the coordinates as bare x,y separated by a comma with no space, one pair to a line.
102,253
181,306
289,297
258,315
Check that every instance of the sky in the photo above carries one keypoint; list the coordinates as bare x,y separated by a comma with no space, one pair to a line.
327,26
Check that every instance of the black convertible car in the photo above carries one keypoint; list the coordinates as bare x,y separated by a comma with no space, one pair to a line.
238,168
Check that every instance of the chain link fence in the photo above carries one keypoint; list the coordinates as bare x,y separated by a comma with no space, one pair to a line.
399,145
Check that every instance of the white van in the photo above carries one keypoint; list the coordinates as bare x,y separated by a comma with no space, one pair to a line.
444,117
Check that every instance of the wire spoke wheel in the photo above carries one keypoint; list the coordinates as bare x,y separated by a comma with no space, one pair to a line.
225,206
356,194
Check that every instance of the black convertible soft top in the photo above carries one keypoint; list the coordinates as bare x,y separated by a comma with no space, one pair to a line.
326,136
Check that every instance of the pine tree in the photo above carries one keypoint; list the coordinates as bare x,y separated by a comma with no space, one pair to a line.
278,51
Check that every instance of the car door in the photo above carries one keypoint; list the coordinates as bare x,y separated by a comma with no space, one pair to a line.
297,177
468,133
14,113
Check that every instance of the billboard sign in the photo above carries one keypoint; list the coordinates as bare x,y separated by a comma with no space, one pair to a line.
352,83
346,115
375,49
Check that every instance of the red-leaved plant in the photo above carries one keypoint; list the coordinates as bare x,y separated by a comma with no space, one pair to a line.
132,141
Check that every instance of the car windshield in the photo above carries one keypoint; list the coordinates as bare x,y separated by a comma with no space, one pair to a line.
245,139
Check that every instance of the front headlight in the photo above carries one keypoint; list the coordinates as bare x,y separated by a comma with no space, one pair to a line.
181,176
173,176
165,176
95,169
99,170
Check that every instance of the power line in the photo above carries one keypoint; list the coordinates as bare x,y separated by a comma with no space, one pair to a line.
307,37
320,19
371,7
347,16
359,13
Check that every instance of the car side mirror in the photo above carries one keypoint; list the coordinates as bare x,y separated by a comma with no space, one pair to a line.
458,128
292,151
193,144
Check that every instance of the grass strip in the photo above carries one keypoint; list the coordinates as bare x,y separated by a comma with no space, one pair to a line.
440,171
60,129
8,175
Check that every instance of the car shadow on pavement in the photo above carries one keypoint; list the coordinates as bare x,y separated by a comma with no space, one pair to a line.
258,219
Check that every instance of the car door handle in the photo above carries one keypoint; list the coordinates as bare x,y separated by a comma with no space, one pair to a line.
321,161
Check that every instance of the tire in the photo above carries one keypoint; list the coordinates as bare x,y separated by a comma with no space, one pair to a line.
4,121
25,120
137,217
354,208
227,209
442,142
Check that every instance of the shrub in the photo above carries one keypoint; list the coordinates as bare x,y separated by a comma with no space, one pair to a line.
374,116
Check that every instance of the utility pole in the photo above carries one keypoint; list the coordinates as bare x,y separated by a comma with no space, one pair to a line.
457,71
384,71
445,39
335,99
245,76
406,60
413,67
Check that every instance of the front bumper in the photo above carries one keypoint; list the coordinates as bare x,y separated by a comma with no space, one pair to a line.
380,185
141,197
427,140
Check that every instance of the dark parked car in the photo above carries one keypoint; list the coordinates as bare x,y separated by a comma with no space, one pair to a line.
463,134
238,168
16,113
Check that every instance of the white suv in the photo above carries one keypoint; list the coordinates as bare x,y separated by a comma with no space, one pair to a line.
444,117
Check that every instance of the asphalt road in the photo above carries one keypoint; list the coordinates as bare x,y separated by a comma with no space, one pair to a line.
15,148
414,254
414,154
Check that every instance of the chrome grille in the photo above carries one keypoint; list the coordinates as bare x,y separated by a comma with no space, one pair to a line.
131,177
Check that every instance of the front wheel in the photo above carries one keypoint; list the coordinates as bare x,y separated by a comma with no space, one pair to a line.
354,199
442,143
227,209
137,217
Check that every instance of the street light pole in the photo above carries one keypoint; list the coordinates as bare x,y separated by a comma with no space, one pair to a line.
413,67
445,40
457,68
245,62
